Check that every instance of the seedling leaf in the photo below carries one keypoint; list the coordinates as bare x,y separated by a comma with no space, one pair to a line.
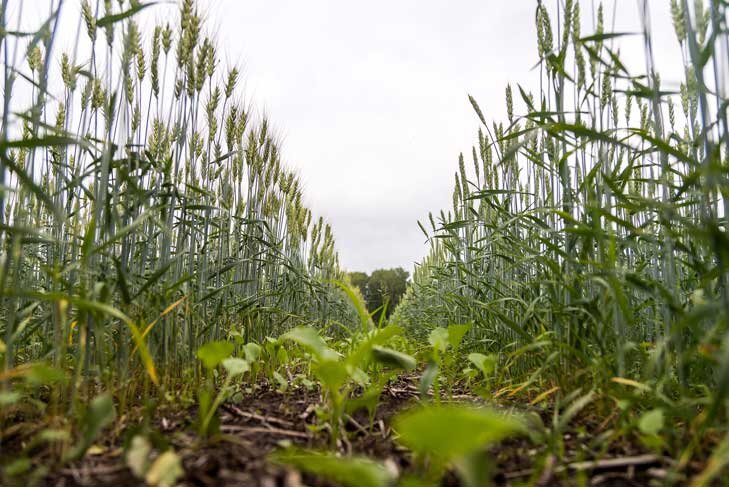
393,358
235,366
449,432
213,353
347,471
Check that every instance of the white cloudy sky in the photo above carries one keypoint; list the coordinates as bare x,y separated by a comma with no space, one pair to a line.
370,98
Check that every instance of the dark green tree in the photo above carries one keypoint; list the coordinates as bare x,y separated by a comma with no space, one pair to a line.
359,279
383,286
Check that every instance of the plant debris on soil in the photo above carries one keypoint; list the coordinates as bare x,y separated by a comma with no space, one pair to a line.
260,423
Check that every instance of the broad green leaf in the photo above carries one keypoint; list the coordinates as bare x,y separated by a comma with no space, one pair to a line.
449,432
485,363
309,338
3,348
331,373
438,339
235,366
378,336
393,358
368,399
358,375
165,471
456,334
651,422
213,353
282,356
252,351
346,471
99,415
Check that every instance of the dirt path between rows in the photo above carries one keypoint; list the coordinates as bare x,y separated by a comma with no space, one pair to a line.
256,426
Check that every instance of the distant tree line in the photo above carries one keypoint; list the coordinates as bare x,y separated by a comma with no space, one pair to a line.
380,287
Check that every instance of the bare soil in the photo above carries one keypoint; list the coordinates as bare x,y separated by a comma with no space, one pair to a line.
259,424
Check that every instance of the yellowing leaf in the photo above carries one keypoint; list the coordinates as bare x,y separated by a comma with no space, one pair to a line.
95,450
631,383
541,397
137,456
144,354
165,471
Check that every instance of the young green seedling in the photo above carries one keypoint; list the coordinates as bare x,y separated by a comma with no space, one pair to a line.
444,344
338,374
454,435
345,471
213,354
485,365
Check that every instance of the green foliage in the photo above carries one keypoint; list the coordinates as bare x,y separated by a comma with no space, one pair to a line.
486,364
99,414
393,358
346,471
383,289
147,219
213,353
439,435
443,358
651,422
449,432
252,351
456,435
235,366
157,470
356,299
310,339
587,237
144,210
165,471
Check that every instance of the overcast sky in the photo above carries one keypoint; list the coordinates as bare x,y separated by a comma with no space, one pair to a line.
370,98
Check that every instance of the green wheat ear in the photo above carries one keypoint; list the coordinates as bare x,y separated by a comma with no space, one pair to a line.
150,185
572,187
